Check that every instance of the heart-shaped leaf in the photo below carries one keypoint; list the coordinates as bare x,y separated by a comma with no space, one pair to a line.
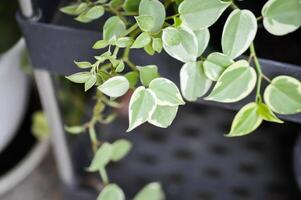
281,17
180,43
239,32
194,83
215,64
199,14
246,121
163,116
236,82
115,86
283,95
142,106
166,92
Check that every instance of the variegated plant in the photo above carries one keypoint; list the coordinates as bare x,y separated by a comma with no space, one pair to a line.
184,35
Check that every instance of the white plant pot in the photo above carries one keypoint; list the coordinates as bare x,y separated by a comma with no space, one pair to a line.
13,93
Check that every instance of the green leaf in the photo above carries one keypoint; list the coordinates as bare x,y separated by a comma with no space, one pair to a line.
80,77
115,86
185,49
70,10
163,116
166,92
120,149
95,12
194,83
116,3
199,14
101,158
100,44
267,114
83,19
246,121
113,28
215,65
90,82
283,95
149,49
156,10
142,106
157,44
124,42
239,32
81,8
111,192
171,36
235,83
145,22
132,77
203,37
83,65
120,67
148,73
141,41
281,17
75,129
152,191
131,5
39,126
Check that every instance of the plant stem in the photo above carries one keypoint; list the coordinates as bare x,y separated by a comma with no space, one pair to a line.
131,29
234,6
172,16
104,176
259,72
126,59
259,18
93,136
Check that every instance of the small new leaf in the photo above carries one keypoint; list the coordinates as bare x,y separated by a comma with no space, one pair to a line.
267,114
75,129
90,82
101,158
100,44
124,42
80,77
83,65
111,192
141,41
152,191
95,12
120,149
115,86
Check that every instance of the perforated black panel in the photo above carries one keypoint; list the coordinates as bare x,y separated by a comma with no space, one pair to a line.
194,161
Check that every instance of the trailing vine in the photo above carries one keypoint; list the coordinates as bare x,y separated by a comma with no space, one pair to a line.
184,35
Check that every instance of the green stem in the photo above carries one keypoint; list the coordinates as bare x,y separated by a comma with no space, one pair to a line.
93,136
259,72
104,176
234,6
131,29
172,16
126,59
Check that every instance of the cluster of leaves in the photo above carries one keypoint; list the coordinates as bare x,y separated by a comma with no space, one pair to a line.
143,24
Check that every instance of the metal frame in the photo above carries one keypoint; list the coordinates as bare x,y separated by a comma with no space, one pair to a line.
50,106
